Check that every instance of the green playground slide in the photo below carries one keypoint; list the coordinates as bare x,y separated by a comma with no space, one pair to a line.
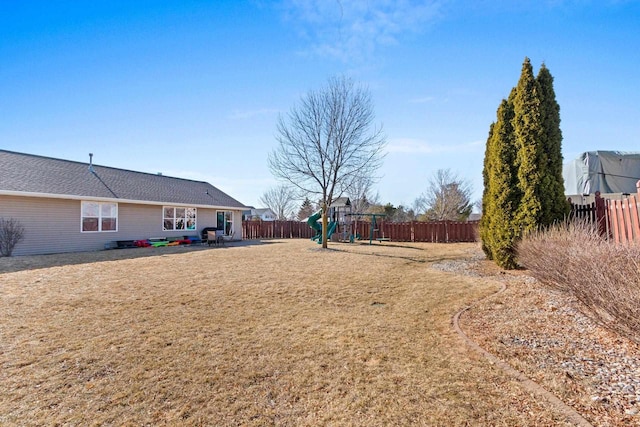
332,228
316,225
313,221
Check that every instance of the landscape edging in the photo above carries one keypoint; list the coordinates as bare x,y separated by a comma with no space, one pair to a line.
571,414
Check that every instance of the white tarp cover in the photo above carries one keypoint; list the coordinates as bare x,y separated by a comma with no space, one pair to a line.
603,171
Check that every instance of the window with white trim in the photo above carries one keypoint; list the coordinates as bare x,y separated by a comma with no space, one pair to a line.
178,218
98,216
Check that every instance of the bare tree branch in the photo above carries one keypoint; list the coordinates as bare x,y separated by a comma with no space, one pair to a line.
447,198
281,200
11,233
360,194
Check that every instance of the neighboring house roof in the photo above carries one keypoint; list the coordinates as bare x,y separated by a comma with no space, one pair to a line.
41,176
262,211
474,216
264,214
341,202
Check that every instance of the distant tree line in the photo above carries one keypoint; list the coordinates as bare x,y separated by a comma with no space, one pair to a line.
447,197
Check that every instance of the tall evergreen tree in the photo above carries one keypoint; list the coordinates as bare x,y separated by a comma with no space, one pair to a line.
306,209
554,204
522,167
499,230
485,219
531,159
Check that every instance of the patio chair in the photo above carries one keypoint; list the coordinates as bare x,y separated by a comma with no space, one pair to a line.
204,234
212,237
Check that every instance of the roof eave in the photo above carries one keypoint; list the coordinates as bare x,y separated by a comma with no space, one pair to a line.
112,199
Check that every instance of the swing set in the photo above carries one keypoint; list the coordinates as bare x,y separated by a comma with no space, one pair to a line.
374,227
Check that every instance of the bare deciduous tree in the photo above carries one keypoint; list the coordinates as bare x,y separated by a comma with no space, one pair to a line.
327,141
281,200
11,233
360,194
447,198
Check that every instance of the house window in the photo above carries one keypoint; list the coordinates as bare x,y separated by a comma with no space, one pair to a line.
99,216
174,218
225,222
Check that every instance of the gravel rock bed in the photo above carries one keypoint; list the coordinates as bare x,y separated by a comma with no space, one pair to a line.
543,334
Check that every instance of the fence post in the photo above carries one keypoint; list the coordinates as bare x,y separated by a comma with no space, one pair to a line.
601,215
633,210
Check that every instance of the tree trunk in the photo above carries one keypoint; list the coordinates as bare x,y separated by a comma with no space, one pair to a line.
325,225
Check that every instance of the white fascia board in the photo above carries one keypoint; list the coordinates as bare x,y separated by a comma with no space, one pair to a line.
112,200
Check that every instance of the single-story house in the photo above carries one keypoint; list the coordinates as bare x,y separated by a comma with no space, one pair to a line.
260,214
68,206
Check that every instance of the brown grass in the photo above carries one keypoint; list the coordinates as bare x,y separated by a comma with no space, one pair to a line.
260,334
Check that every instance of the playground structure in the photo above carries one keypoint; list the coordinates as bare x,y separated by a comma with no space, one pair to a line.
339,221
344,224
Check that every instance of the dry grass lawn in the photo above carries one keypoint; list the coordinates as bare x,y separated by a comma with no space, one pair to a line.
273,333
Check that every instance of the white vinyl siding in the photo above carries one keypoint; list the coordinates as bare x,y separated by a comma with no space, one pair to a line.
51,225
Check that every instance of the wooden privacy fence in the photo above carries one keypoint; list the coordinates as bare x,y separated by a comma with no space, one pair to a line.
616,219
276,230
415,231
595,213
623,219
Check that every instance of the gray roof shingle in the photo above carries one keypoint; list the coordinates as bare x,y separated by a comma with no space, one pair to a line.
45,175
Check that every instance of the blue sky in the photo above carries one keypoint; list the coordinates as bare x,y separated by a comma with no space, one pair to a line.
159,86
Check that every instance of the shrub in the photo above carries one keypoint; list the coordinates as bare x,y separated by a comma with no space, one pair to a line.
603,276
11,233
